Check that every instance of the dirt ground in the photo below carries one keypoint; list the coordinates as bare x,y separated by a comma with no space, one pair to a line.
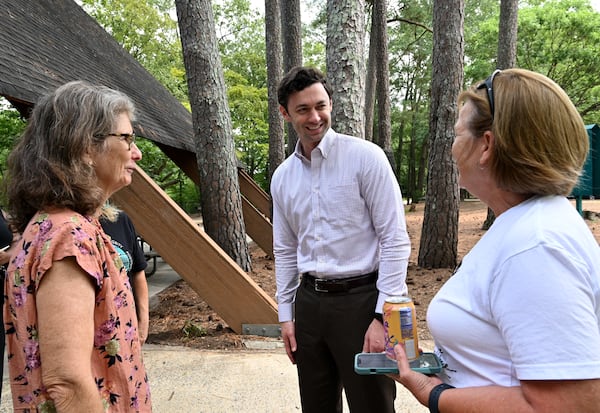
182,318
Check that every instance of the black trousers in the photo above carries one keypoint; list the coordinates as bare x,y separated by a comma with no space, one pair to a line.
330,330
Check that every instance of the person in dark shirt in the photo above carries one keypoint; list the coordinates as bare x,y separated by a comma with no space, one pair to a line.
6,241
119,227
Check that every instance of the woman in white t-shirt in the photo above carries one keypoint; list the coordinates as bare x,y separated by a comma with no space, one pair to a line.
517,327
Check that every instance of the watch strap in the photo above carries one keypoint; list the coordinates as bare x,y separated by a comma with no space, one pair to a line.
434,396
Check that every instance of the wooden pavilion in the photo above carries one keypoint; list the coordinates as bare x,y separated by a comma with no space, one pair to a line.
45,43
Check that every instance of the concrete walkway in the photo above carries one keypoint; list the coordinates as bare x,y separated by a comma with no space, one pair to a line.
183,380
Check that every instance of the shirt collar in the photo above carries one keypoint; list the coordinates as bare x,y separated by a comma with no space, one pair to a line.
324,146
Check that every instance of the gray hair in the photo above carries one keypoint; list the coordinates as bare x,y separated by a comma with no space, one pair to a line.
48,167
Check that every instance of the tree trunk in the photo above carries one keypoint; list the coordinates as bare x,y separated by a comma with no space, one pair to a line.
410,106
370,87
420,186
215,150
291,27
507,34
346,64
507,56
439,236
411,180
384,123
274,70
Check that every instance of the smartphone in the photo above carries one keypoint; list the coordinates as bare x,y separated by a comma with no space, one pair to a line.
379,363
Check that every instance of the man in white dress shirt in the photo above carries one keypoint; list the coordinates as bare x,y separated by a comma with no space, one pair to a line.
341,248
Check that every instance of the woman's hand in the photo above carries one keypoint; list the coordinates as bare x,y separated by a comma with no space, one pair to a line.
420,385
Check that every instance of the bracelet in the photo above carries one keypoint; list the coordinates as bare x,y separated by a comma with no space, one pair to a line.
378,316
434,396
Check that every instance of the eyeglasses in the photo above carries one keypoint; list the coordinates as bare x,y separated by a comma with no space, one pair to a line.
488,84
127,137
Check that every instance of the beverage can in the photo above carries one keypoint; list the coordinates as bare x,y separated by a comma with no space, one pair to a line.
400,325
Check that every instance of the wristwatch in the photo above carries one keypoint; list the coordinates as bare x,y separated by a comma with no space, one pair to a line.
434,396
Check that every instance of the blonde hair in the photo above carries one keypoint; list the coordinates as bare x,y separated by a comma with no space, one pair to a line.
109,212
540,139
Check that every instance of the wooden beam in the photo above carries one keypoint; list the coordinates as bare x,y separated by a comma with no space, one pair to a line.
255,194
258,227
256,203
194,255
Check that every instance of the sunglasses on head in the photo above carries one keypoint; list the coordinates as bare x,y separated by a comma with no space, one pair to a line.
488,85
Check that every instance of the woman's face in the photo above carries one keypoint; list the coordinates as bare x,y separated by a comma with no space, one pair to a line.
467,152
115,164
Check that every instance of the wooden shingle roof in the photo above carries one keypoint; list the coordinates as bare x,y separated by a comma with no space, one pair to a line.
45,43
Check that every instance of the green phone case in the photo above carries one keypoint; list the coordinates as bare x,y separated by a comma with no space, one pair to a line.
379,363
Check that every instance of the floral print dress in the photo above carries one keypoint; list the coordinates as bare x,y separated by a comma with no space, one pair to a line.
116,360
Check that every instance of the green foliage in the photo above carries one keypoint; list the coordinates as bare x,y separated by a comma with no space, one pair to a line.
242,44
560,39
186,194
481,39
248,106
148,32
410,46
168,176
146,29
241,37
192,329
314,34
11,127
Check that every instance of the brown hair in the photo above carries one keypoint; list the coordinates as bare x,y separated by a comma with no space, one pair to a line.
297,79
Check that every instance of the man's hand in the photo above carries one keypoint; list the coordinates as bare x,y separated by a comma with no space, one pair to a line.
374,338
288,334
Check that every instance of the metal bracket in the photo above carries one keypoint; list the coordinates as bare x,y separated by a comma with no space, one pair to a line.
265,330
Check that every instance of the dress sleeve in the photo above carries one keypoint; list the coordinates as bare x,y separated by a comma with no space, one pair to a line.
73,238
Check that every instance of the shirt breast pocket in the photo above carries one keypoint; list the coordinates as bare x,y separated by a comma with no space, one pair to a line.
346,205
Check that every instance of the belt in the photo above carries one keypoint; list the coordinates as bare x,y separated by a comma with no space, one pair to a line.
341,285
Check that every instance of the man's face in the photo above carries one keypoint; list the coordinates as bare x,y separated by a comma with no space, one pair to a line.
309,112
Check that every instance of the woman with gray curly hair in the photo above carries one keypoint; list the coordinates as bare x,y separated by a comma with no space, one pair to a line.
69,314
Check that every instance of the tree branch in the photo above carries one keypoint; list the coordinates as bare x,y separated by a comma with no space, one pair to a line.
403,20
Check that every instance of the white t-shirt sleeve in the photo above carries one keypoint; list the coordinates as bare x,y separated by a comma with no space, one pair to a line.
544,307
